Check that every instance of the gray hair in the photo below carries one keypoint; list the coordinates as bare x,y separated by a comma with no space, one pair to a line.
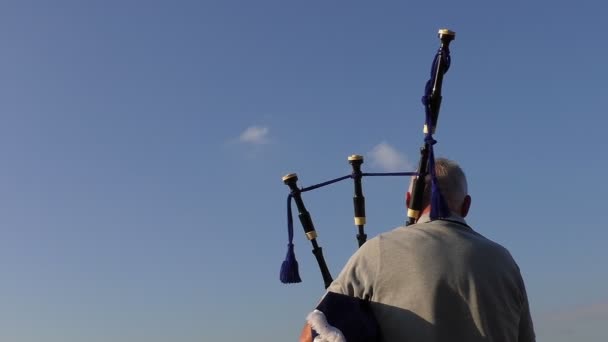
452,184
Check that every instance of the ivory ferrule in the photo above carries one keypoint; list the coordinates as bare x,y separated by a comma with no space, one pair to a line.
311,235
446,32
425,129
359,221
413,213
289,176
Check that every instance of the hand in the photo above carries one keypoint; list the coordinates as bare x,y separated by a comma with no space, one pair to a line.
306,335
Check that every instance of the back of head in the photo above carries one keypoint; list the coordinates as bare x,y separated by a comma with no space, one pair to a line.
452,183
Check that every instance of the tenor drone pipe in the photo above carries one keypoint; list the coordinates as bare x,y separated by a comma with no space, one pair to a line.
358,199
291,180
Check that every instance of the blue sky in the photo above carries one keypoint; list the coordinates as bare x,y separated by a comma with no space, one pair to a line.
143,144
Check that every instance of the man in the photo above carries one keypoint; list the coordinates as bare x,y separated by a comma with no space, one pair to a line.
436,280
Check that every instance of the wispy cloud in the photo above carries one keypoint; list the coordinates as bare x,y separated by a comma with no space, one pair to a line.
256,135
584,322
595,310
389,159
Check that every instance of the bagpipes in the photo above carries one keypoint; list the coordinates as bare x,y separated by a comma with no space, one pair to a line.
432,102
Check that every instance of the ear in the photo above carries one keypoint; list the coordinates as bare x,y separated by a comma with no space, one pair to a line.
408,197
466,205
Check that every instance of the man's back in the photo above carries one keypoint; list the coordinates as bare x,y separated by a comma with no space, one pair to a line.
439,281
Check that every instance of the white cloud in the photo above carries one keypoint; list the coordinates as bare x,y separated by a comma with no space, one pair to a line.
256,135
388,158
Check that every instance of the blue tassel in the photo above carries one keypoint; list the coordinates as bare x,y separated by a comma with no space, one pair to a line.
289,269
438,206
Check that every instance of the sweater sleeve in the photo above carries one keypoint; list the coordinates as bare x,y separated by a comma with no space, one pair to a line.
526,327
344,313
358,276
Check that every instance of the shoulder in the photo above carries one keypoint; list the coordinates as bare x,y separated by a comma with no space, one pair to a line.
359,274
370,249
442,236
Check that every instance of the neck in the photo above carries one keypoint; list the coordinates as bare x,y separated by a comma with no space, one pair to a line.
426,212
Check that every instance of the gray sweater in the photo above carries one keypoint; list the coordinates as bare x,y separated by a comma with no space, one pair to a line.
439,281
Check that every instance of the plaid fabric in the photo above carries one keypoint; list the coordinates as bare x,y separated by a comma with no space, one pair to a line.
341,318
